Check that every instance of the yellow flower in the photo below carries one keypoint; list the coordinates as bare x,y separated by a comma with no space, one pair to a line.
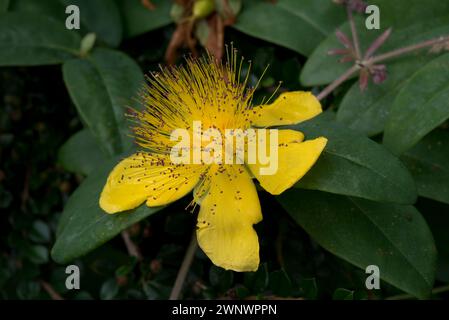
211,92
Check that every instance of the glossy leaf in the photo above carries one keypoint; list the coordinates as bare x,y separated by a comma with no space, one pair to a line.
343,294
367,111
81,154
421,106
102,86
428,162
138,19
354,165
395,238
436,215
84,226
312,21
4,5
39,41
101,17
49,8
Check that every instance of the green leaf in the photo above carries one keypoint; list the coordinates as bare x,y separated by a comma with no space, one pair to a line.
309,288
428,162
401,13
101,86
37,254
220,278
29,40
367,111
280,283
138,19
395,238
80,154
322,68
257,281
354,165
436,215
343,294
312,21
109,289
4,5
50,8
40,232
101,17
421,106
84,226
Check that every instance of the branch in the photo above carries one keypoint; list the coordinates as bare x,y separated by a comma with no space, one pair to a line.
185,266
345,76
402,51
377,59
51,292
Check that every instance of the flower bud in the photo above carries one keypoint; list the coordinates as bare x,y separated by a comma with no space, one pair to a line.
203,8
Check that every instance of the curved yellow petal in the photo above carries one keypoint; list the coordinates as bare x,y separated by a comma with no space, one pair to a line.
225,221
295,157
289,108
147,177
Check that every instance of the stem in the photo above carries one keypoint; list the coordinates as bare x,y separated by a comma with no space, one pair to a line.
185,266
131,247
355,37
377,59
401,51
51,292
407,296
345,76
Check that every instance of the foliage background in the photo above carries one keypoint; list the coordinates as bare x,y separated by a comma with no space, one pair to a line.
61,120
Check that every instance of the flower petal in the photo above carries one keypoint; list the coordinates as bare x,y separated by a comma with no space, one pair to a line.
295,158
225,221
148,177
289,108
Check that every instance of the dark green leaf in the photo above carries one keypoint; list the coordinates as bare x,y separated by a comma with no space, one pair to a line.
28,290
109,290
37,254
401,13
49,8
101,86
312,21
354,165
367,111
220,278
257,281
428,162
436,215
40,232
322,68
280,283
309,288
421,106
139,19
84,225
81,154
101,17
343,294
4,5
39,41
241,292
395,238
